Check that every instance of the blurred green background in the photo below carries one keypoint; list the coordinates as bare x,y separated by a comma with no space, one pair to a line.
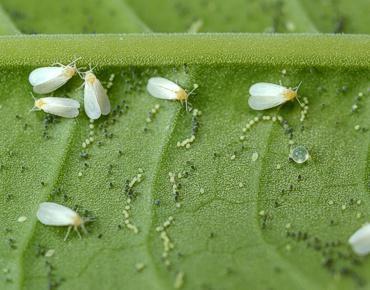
118,16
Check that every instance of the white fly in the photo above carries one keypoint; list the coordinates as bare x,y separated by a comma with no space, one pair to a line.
48,79
266,95
96,100
63,107
162,88
53,214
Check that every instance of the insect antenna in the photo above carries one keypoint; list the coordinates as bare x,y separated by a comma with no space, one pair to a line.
194,88
297,87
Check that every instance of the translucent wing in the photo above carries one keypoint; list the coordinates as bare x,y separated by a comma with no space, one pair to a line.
54,214
63,107
102,97
44,74
265,96
92,107
162,88
265,102
48,79
266,89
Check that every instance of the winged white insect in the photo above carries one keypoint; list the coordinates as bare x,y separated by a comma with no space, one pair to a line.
53,214
96,100
63,107
48,79
266,95
162,88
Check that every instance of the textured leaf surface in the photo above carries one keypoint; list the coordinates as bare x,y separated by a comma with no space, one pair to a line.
245,216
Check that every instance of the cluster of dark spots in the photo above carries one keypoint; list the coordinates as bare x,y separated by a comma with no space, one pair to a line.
186,68
130,195
107,134
120,109
266,220
9,197
23,168
194,124
112,118
191,166
288,130
216,155
337,258
287,191
86,213
157,202
176,177
59,192
12,243
40,250
54,282
129,191
48,121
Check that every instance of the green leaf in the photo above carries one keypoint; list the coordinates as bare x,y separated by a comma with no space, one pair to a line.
220,237
245,217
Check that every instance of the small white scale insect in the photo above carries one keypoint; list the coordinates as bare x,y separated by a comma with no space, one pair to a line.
162,88
266,95
96,100
360,240
63,107
48,79
53,214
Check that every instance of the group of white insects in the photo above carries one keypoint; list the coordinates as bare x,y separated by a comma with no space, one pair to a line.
96,103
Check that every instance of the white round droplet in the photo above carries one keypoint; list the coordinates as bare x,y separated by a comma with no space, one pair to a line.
299,154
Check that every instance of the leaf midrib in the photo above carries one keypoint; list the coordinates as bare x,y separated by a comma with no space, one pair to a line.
322,50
